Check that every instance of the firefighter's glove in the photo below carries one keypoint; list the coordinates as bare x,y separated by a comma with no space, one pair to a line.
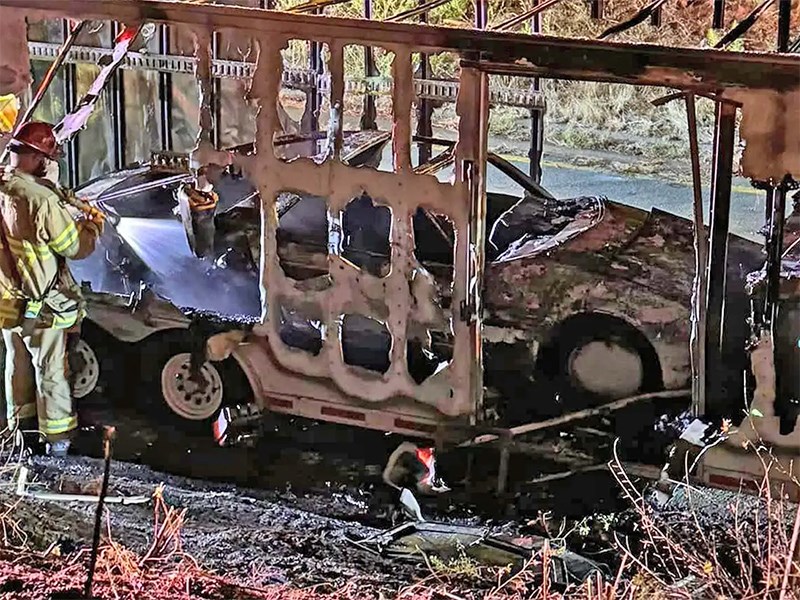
92,225
201,201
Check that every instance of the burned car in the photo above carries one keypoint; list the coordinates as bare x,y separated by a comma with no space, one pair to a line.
585,299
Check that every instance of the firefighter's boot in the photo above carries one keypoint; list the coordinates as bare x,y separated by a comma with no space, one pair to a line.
58,448
28,438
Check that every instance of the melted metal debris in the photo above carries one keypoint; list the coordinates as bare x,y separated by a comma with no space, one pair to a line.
534,220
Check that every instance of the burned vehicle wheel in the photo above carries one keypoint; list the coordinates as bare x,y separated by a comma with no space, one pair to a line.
593,359
195,398
92,358
85,369
607,368
184,399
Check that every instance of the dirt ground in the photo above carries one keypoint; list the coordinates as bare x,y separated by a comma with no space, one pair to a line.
273,515
274,521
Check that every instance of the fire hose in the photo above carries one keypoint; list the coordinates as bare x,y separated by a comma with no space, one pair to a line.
91,212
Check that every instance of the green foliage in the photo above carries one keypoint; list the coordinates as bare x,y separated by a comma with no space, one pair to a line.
460,566
713,36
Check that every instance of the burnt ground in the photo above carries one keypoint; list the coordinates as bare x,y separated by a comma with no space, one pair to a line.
265,537
281,512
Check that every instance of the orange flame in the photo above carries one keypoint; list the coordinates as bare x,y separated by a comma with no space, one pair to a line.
427,458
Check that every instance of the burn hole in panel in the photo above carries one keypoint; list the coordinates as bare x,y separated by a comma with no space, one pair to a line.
366,232
302,235
434,248
368,107
366,343
304,108
429,354
435,76
300,331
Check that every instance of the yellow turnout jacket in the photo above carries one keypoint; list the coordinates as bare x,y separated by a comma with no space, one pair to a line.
41,234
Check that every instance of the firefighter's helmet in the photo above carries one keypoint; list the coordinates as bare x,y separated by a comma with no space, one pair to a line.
38,136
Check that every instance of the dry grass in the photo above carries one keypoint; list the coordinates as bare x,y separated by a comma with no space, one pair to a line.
749,549
590,115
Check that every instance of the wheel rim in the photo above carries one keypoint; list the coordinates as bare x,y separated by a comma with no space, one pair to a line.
87,370
607,369
186,397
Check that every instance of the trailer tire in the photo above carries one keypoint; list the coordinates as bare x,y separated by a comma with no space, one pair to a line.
593,358
93,359
174,396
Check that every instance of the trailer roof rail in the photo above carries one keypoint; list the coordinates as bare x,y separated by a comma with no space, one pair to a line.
442,90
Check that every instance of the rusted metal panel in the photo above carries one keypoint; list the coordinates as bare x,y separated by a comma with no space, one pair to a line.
404,300
546,56
345,289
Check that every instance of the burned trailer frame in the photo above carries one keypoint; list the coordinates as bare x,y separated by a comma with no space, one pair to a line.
327,388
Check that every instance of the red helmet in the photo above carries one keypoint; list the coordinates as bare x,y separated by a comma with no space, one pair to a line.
38,136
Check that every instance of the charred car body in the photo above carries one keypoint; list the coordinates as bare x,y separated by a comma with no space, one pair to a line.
586,300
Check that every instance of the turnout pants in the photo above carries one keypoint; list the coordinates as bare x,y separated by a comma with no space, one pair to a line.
36,381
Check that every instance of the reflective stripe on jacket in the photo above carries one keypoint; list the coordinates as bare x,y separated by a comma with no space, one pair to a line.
41,234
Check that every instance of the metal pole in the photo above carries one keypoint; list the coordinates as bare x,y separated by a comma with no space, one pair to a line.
369,114
698,346
165,94
268,4
70,99
784,24
46,80
117,92
655,17
424,108
310,121
775,252
721,180
481,14
216,96
768,203
718,21
537,116
598,7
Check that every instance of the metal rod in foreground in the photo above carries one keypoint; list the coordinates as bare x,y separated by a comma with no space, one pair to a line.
108,437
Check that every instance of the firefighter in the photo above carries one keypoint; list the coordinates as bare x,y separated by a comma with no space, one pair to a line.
40,303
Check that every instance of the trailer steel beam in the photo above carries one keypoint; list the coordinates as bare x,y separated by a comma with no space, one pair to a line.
165,94
216,97
777,195
504,53
70,99
481,14
370,114
537,116
721,181
424,108
784,24
118,122
718,20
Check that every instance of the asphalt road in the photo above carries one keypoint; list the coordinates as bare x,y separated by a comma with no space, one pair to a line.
565,181
568,181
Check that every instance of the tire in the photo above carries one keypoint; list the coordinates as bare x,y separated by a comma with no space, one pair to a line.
172,395
93,359
594,359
